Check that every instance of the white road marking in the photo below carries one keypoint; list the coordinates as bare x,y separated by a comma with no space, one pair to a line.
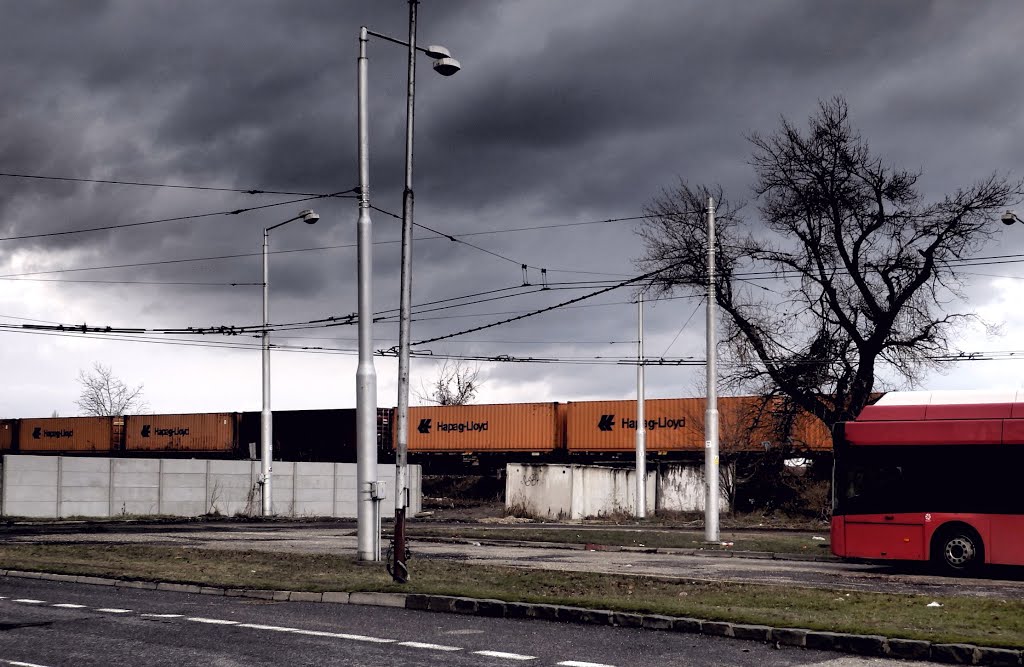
212,621
29,601
109,610
506,656
434,647
577,663
317,633
22,664
68,605
162,615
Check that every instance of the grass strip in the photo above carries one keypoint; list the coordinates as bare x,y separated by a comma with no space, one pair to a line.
646,537
988,622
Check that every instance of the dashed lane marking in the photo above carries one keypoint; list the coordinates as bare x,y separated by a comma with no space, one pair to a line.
506,656
68,605
21,664
316,633
162,615
578,663
433,647
212,621
29,601
112,610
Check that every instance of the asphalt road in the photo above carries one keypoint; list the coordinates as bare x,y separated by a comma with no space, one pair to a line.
299,537
51,624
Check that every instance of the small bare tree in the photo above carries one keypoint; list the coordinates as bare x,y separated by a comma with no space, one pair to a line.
456,383
104,395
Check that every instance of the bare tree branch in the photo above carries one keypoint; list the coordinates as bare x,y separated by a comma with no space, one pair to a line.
104,395
456,384
869,268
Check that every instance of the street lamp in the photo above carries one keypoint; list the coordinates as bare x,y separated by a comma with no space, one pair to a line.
366,396
1010,217
266,424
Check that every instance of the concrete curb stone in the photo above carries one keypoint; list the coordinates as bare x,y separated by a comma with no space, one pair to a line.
717,628
789,636
760,633
869,645
378,599
909,649
958,654
336,597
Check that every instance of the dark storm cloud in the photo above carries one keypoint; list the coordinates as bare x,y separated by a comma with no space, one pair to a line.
568,111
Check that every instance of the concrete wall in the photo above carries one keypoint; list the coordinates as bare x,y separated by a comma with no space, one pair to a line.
63,486
581,491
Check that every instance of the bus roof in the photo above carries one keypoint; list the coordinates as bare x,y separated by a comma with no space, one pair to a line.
952,397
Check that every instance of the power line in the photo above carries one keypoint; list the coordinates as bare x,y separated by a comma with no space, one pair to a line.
247,191
163,220
127,282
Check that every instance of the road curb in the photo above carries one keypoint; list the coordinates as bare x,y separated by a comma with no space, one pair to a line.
867,645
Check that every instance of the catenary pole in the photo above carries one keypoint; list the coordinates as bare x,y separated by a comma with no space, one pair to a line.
266,416
711,413
368,526
400,572
641,422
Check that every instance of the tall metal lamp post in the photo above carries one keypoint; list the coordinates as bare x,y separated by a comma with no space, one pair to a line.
366,387
266,418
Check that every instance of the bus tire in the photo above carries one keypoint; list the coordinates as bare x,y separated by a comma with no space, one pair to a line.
958,549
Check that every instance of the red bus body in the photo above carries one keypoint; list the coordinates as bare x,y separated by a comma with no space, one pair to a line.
918,471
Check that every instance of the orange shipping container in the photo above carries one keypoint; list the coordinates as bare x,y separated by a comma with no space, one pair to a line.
7,429
514,427
208,432
610,426
65,434
677,424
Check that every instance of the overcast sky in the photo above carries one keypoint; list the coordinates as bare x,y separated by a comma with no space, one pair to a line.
572,111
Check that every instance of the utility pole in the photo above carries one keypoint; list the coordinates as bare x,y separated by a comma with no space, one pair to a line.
400,572
711,413
641,422
367,511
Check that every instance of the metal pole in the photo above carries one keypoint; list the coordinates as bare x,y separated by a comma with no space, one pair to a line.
641,421
366,376
711,414
266,417
400,572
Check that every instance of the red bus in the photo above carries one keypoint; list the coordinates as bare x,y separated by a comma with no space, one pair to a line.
932,476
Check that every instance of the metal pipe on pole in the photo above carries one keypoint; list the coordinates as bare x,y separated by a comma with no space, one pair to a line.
400,571
266,416
641,421
368,528
711,413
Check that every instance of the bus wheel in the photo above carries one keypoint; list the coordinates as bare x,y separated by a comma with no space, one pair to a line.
958,550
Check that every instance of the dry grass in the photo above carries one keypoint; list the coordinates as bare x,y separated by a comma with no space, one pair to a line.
972,620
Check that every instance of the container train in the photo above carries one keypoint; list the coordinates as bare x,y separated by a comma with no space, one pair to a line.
441,438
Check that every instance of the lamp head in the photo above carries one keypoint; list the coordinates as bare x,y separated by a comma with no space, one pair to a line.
309,217
447,66
1009,218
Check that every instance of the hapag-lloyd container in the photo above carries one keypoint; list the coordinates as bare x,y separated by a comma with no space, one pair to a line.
513,427
677,424
206,432
671,423
65,434
8,429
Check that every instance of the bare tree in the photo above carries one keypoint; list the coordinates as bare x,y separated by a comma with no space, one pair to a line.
867,267
456,383
104,395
